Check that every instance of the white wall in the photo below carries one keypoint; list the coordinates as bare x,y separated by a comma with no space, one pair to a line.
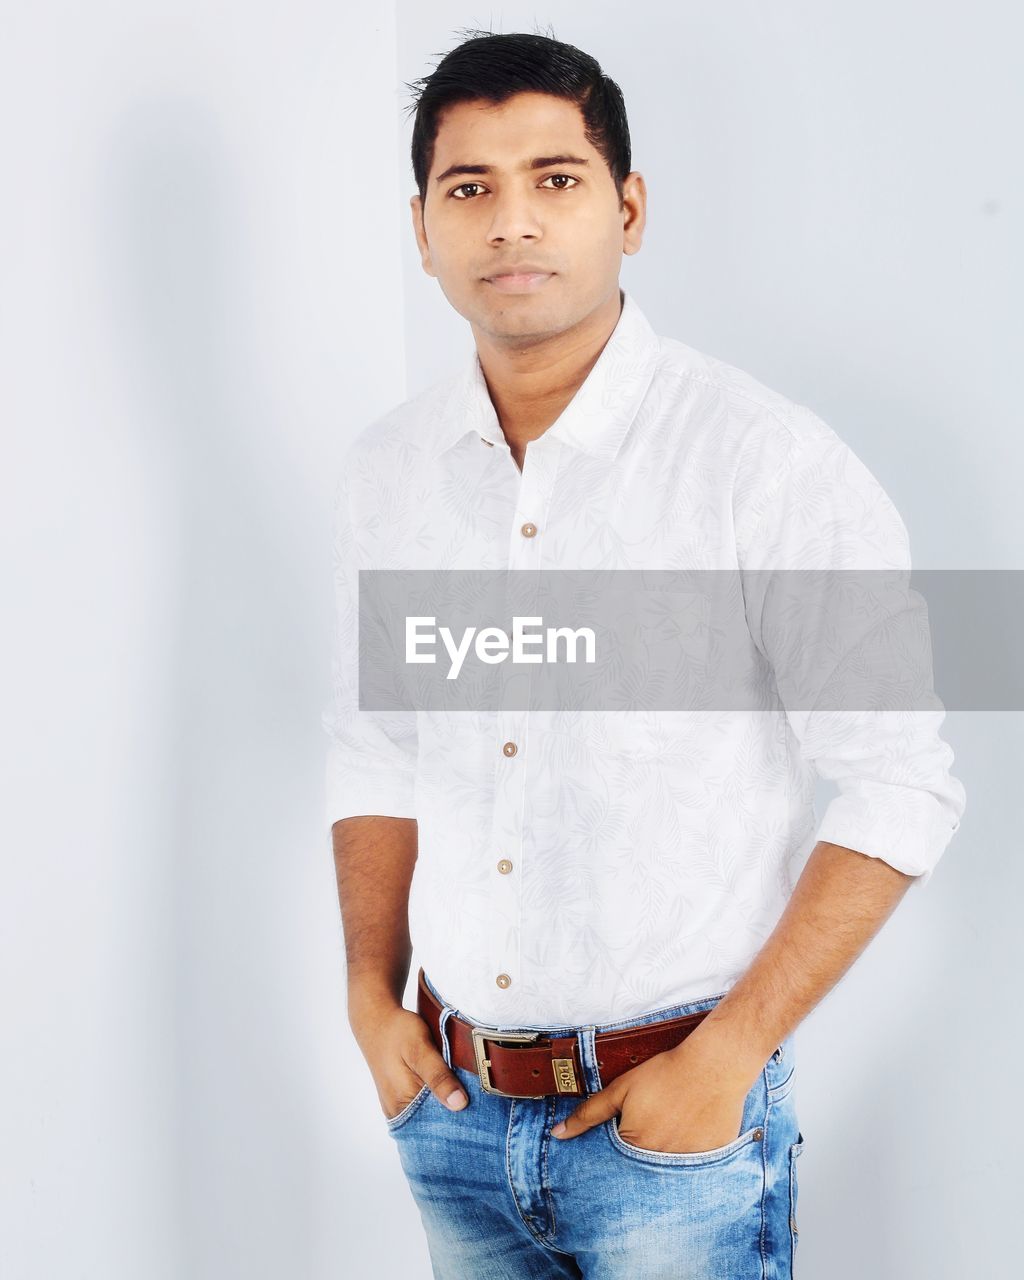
834,204
199,232
203,221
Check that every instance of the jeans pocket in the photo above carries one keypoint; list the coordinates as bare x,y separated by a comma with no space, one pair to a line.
687,1159
794,1234
394,1122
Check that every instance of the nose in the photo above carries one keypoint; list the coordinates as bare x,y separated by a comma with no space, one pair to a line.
514,218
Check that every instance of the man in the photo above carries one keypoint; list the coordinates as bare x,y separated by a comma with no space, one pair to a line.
613,895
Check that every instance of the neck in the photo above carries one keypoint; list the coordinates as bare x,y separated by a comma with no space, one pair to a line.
531,385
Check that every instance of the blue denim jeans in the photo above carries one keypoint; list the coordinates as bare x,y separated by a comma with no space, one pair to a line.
501,1198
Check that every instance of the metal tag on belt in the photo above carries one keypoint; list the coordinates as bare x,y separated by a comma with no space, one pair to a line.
565,1075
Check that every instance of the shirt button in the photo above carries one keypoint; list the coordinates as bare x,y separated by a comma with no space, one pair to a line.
510,748
528,530
503,980
504,866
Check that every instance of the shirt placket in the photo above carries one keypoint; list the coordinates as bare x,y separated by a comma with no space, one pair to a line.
508,851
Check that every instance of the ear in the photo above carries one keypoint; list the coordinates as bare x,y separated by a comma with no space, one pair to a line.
416,206
634,211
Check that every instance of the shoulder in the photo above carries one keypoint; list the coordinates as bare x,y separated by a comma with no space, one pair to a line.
384,459
786,463
758,415
376,464
404,430
767,437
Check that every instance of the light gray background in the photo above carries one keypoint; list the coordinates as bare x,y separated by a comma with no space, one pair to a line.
210,284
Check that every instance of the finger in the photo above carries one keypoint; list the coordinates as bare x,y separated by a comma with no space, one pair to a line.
442,1081
597,1108
392,1108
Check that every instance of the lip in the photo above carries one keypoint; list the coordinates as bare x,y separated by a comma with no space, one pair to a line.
522,281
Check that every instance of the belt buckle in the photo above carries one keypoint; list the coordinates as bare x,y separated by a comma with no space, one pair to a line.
483,1063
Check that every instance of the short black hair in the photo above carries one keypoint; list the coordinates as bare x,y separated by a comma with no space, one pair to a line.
494,67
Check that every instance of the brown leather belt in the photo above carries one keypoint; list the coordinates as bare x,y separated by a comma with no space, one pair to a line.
531,1064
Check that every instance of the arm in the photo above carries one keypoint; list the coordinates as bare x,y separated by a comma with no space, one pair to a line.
840,902
371,812
897,808
374,857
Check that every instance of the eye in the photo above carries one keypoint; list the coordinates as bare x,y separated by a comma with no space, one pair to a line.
562,175
468,186
461,187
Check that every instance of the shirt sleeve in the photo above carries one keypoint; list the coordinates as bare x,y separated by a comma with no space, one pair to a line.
822,509
371,755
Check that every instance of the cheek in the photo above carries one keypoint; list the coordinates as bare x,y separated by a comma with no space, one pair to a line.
449,259
592,234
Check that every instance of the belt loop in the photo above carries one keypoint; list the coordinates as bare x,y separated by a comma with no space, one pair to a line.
446,1013
588,1055
447,1010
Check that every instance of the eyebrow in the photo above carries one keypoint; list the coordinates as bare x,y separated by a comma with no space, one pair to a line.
539,162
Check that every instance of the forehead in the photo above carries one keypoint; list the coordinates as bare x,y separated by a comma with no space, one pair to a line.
523,126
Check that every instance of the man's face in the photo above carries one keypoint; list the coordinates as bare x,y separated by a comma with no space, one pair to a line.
561,218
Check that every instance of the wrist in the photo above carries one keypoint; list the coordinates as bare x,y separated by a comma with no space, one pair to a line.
369,999
722,1057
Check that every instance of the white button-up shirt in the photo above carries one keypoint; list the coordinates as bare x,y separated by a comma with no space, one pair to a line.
586,867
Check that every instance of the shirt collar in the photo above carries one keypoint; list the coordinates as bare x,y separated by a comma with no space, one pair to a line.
598,416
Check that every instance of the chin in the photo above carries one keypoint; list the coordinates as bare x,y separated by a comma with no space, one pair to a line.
518,313
532,326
